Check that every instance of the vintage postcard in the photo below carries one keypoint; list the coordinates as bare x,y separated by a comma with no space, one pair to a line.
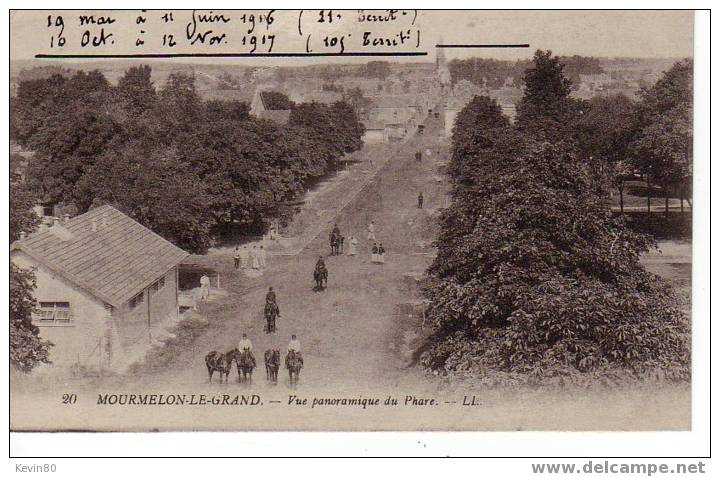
350,220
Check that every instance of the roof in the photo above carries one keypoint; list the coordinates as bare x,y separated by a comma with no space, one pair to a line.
280,116
113,263
372,125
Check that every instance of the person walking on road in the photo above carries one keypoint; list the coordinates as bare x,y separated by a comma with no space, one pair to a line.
244,256
236,258
262,257
254,258
374,254
381,254
420,200
353,246
371,231
204,287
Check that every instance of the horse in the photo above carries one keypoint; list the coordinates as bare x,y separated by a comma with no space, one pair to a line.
245,365
321,276
271,312
272,364
293,363
221,362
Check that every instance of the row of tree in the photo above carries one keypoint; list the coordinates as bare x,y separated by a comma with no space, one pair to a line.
535,278
495,73
189,169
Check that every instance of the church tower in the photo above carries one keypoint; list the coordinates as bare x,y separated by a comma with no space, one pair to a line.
441,66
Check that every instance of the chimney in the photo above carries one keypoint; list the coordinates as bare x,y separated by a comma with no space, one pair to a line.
66,217
23,235
94,225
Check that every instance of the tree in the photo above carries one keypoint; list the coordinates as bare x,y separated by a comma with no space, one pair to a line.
546,109
663,147
604,134
155,190
136,90
27,349
377,69
536,279
22,216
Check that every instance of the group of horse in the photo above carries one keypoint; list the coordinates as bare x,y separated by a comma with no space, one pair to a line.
245,362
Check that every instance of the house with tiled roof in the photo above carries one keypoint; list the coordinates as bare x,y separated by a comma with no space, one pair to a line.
105,286
259,107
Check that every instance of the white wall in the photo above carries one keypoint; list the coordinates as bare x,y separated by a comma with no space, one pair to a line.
78,340
374,136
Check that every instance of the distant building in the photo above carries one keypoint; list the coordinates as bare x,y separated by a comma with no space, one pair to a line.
259,108
441,66
374,133
105,286
595,82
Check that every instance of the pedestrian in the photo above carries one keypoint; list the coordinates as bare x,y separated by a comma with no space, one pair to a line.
236,258
353,245
371,231
204,287
342,244
262,257
374,254
381,254
244,257
254,258
420,200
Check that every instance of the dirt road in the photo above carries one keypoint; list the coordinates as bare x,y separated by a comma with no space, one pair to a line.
351,334
357,337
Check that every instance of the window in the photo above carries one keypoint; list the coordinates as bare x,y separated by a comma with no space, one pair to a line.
53,312
48,210
158,285
137,299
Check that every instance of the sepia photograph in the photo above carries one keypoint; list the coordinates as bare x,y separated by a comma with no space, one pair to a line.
351,220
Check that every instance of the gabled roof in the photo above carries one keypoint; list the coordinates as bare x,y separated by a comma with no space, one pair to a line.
113,263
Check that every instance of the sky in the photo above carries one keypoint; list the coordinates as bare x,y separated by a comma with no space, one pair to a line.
643,34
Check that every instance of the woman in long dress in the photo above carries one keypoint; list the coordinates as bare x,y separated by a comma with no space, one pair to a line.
254,258
353,246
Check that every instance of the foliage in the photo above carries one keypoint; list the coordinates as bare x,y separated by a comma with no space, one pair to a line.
663,147
377,69
22,216
535,278
189,169
27,349
546,110
493,73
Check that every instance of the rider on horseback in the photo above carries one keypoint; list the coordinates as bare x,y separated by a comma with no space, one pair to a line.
320,265
245,345
294,347
270,297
